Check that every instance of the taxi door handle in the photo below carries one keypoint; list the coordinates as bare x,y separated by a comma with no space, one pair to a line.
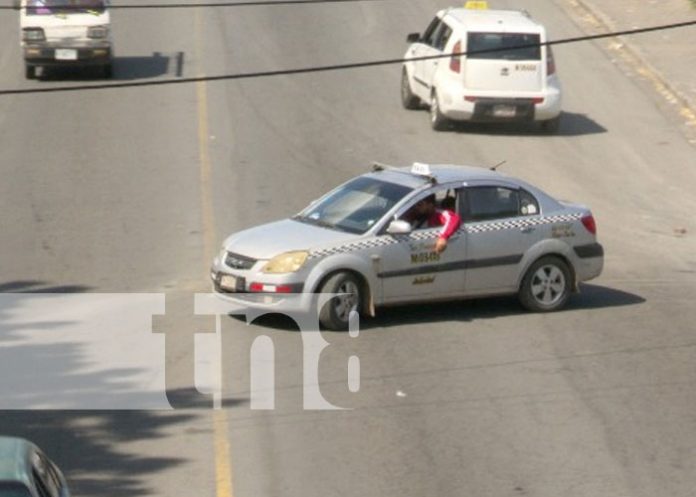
527,229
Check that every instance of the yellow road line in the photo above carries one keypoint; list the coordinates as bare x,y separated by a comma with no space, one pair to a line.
223,464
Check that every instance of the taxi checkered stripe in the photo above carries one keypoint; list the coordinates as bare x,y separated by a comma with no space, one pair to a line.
379,241
385,240
520,223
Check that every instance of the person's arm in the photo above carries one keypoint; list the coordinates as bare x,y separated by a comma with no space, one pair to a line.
450,223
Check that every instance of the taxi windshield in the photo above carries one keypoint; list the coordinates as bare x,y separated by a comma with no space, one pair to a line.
356,206
53,7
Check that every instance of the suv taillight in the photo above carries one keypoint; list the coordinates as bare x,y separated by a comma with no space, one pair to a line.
455,60
589,223
550,63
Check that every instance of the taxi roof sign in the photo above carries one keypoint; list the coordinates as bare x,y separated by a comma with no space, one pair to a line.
476,5
421,169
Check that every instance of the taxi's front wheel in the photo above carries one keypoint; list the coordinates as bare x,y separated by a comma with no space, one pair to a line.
344,289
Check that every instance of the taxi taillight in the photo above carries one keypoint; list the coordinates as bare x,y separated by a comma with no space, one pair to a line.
550,63
589,223
456,60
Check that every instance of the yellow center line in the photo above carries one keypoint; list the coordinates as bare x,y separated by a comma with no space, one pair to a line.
223,464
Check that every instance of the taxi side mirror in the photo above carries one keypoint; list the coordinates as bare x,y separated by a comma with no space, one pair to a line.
399,227
413,37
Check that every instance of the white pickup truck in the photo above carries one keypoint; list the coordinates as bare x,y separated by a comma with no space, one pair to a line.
65,33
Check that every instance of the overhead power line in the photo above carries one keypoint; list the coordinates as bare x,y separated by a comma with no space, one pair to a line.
334,67
189,5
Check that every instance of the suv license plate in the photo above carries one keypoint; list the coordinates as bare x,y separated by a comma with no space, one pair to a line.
66,54
504,110
228,282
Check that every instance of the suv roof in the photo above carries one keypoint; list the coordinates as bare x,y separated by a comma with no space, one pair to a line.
494,21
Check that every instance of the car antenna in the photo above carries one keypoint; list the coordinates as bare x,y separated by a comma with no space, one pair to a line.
493,168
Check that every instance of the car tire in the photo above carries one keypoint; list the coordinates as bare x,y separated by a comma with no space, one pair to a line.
408,99
335,313
551,126
30,72
108,71
437,120
546,285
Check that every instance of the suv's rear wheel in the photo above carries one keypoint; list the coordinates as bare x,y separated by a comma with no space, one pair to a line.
30,72
335,313
408,98
546,285
437,120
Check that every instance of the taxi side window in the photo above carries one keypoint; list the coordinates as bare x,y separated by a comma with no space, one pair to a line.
444,199
442,37
429,33
528,204
486,203
437,34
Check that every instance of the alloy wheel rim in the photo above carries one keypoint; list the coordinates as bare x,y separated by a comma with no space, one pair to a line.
548,285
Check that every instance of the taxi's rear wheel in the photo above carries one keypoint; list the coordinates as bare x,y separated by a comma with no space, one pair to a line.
408,98
335,313
437,120
546,285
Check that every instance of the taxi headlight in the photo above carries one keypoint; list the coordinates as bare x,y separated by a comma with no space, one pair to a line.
289,262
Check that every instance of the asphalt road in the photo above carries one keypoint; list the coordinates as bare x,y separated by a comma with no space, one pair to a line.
132,190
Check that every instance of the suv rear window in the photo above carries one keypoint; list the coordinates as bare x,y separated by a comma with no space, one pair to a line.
503,46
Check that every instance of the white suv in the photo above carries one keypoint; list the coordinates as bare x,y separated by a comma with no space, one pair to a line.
506,73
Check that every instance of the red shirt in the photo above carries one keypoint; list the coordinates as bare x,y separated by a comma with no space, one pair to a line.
449,221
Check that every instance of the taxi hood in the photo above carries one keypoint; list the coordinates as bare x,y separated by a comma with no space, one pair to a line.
268,240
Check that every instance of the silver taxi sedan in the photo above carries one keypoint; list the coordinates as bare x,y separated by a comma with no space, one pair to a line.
355,244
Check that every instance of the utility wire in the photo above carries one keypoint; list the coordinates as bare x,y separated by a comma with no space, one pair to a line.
335,67
196,5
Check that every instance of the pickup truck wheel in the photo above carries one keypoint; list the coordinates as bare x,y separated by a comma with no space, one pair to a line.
335,313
